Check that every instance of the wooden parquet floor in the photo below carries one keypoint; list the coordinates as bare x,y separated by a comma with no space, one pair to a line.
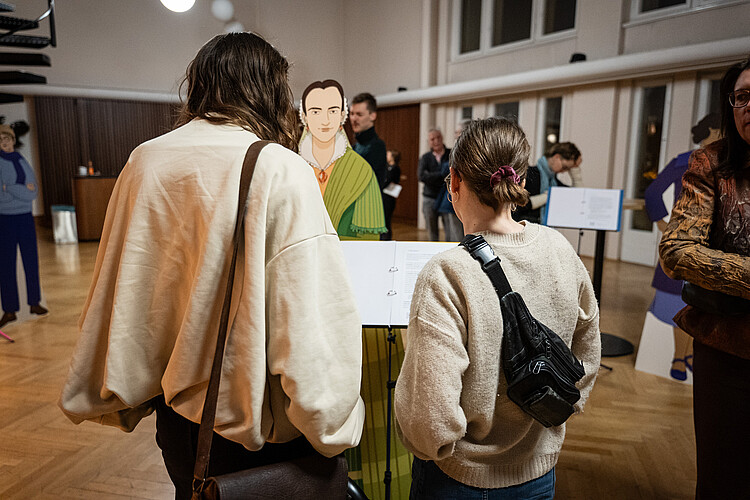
634,441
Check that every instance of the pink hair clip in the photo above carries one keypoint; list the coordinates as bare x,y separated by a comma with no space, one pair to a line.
504,172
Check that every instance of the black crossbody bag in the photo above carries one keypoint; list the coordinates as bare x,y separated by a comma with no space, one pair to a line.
540,369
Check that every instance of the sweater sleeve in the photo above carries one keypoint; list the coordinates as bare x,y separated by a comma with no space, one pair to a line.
576,178
684,247
315,342
429,416
587,343
21,191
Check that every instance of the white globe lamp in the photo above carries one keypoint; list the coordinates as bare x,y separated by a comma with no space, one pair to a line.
178,5
223,10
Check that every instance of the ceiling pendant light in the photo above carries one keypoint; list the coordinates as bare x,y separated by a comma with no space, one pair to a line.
178,5
223,10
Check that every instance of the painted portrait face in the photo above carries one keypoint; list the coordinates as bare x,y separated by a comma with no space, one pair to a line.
323,113
7,143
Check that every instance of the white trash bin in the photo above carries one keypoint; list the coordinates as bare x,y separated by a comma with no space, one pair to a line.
64,228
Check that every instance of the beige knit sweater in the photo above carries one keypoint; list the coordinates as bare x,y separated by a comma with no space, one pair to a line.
450,403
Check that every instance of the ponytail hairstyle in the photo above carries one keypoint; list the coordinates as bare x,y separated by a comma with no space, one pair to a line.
492,157
240,79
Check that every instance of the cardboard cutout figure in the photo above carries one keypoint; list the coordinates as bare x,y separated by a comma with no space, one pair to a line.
350,190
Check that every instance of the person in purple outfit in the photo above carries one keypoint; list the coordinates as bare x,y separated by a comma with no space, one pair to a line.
667,299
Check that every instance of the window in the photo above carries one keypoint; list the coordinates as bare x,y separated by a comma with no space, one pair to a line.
484,24
507,110
471,18
709,97
650,9
552,116
559,15
649,147
511,21
467,112
649,5
714,96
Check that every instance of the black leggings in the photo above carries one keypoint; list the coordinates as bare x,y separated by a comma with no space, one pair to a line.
721,408
178,439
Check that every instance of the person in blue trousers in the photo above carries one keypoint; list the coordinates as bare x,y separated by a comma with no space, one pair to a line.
17,190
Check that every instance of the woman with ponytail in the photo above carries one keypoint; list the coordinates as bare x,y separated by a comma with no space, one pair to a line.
469,439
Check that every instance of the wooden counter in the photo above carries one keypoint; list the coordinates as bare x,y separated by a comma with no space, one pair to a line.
90,195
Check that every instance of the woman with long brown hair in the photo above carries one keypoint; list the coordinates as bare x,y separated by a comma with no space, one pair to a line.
290,378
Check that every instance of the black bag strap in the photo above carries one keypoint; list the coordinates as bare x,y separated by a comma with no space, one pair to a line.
205,433
482,252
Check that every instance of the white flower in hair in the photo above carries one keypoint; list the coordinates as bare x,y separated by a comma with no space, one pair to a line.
302,114
345,113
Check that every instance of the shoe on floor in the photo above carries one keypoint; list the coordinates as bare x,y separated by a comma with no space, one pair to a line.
676,374
37,309
7,318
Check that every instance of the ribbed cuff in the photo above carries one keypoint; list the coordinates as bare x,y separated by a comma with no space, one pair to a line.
498,476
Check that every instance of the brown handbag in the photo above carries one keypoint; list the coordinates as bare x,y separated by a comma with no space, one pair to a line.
314,477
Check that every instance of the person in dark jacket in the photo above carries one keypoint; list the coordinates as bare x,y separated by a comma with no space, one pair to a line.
392,176
433,167
368,145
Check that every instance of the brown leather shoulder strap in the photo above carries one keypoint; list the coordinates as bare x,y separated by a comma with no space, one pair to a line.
212,393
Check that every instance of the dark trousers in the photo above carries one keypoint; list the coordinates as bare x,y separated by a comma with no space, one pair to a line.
428,482
721,409
389,205
18,231
178,439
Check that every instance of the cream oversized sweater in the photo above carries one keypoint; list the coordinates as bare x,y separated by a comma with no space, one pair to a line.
450,403
292,363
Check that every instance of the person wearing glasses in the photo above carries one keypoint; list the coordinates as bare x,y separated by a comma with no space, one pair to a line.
707,243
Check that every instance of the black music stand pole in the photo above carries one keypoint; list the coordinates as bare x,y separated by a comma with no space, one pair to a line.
612,346
390,385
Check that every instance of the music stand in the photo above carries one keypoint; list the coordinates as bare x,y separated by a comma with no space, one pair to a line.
599,210
383,275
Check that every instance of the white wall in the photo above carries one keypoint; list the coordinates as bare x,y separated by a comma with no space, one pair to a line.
382,45
715,23
139,45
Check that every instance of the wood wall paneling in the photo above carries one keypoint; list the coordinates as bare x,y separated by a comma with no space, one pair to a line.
58,138
398,126
74,131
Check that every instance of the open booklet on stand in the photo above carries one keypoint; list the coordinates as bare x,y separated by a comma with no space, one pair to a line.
383,275
584,208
